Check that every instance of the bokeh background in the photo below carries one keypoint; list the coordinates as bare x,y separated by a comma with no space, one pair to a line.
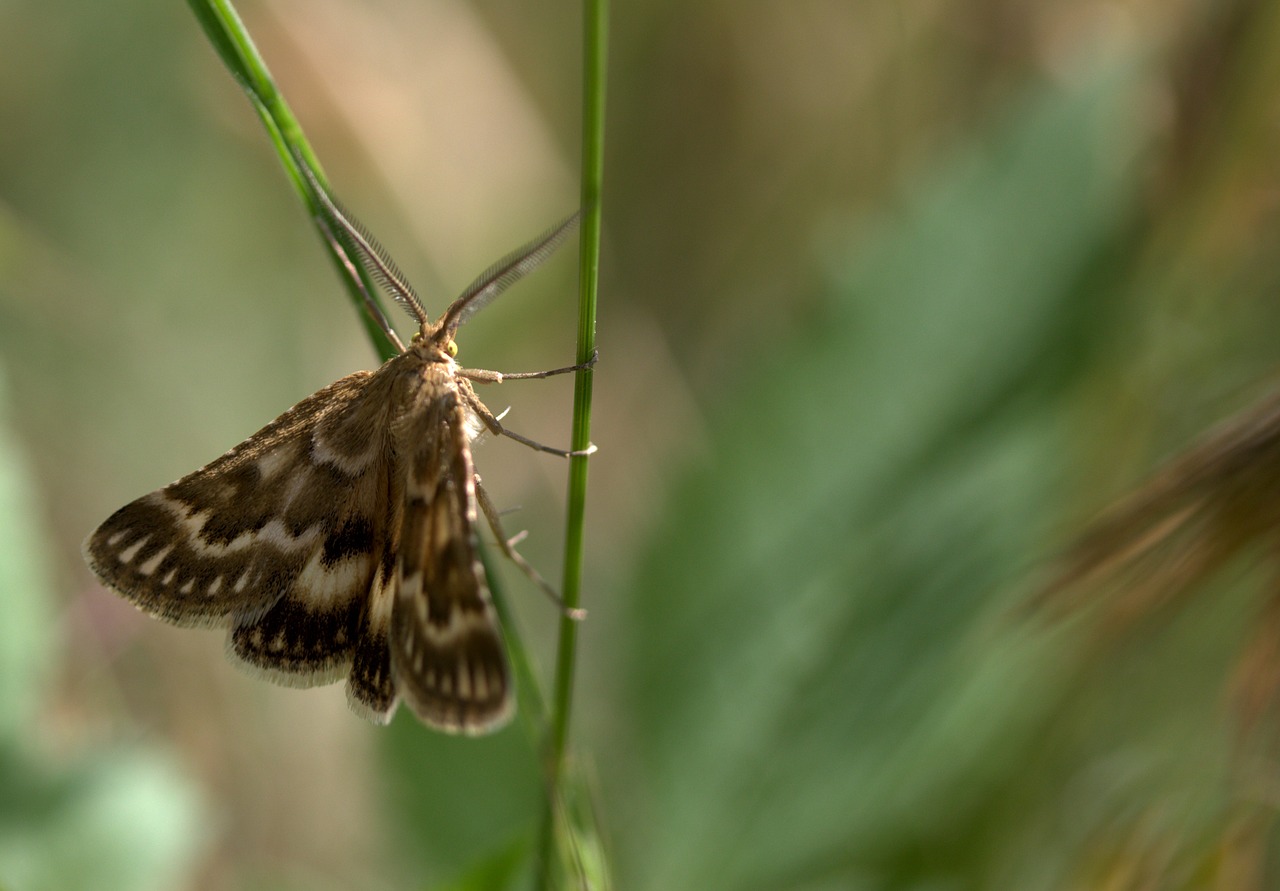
896,295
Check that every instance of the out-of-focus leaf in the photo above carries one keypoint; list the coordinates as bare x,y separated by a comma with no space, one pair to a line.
502,870
26,634
452,797
125,819
1149,552
826,692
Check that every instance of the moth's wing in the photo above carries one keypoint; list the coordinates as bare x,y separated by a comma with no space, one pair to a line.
371,688
447,654
283,538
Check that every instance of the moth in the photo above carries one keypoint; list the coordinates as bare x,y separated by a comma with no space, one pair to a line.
341,539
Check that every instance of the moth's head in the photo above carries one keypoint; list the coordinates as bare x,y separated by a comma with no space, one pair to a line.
435,342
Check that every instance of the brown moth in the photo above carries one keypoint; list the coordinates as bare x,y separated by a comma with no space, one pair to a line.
340,540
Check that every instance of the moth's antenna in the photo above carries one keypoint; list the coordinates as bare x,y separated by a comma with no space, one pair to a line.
372,255
506,272
370,305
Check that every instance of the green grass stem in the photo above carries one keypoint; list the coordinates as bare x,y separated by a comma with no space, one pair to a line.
595,33
225,30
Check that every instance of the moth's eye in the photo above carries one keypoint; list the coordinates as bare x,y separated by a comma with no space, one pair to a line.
451,348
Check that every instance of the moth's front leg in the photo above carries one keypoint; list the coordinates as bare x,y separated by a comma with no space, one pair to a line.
484,376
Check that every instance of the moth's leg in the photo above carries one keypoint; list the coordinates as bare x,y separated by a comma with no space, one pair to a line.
484,376
496,428
508,546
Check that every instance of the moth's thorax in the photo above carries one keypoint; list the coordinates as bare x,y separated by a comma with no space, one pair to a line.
425,391
423,372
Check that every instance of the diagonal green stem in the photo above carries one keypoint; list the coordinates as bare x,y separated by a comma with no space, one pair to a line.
595,28
225,30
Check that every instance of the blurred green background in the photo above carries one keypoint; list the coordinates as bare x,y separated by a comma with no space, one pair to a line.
895,296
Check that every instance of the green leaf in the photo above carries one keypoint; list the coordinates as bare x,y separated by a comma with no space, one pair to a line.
125,818
27,632
500,871
827,690
451,797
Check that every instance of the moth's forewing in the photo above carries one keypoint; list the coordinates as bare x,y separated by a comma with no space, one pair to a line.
229,540
446,648
276,540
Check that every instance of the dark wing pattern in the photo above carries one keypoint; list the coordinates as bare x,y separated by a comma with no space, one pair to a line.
284,539
447,654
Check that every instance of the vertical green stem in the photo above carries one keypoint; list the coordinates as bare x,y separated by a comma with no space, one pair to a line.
595,26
